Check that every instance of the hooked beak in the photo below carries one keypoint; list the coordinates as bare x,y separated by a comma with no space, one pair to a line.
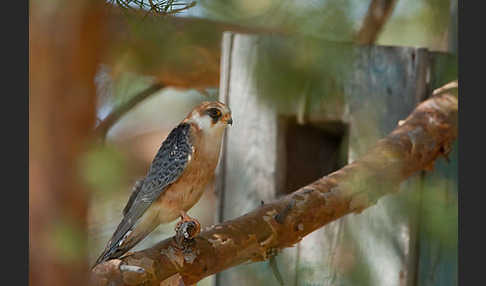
229,121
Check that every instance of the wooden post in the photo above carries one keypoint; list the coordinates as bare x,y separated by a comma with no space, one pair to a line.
251,164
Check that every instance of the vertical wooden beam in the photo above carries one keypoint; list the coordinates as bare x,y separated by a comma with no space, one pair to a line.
250,164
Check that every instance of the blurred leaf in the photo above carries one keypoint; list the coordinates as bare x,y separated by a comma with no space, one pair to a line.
129,84
67,239
440,213
436,14
104,169
444,69
418,23
332,19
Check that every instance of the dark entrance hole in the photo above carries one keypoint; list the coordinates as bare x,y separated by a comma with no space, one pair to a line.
311,151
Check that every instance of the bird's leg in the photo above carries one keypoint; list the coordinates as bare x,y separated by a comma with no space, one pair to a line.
187,228
184,217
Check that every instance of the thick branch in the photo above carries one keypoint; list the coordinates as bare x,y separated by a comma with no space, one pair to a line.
378,13
413,146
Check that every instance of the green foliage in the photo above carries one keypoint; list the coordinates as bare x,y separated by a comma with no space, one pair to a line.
67,239
127,85
436,15
444,70
104,169
422,23
440,214
325,19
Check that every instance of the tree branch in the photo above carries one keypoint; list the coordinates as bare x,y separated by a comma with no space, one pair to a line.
413,146
376,17
105,125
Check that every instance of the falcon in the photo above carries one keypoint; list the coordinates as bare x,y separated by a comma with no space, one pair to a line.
182,168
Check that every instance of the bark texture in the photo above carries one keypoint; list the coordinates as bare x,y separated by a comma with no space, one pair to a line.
413,146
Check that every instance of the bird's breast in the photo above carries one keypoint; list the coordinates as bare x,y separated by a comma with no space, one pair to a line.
188,189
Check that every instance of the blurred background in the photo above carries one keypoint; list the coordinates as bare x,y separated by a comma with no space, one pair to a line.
96,121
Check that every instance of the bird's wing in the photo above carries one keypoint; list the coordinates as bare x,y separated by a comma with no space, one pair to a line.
135,190
168,165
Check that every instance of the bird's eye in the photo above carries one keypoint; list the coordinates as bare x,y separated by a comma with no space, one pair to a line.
214,113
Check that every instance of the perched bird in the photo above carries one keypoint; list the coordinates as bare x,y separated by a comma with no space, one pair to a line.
178,175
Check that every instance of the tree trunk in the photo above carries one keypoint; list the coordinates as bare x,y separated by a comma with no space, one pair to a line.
64,50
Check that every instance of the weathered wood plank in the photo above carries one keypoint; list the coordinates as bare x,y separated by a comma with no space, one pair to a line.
251,162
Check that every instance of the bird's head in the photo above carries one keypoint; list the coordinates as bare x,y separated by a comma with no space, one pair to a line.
210,116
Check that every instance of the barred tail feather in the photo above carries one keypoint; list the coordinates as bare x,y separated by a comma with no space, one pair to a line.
116,249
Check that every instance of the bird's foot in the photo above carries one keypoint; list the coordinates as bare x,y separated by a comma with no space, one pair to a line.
187,228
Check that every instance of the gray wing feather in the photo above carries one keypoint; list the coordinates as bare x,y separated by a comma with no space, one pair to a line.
167,166
135,190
